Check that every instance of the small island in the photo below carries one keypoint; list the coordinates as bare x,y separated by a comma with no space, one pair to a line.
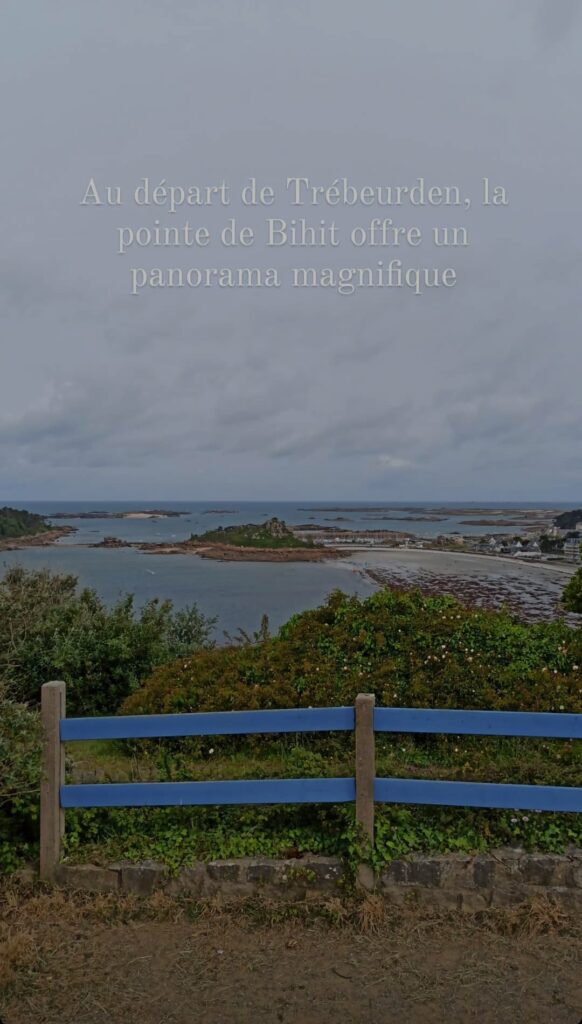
146,513
272,541
111,542
272,534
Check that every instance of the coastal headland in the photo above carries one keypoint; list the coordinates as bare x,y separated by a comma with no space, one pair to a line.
20,528
37,540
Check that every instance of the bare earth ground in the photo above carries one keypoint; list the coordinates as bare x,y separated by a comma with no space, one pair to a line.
112,959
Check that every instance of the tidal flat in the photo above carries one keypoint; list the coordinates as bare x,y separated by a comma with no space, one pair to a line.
530,589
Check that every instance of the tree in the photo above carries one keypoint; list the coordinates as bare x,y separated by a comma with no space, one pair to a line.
572,596
551,545
16,522
51,630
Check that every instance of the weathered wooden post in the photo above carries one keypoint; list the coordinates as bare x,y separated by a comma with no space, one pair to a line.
52,816
365,774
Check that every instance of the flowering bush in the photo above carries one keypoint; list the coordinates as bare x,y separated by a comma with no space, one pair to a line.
407,649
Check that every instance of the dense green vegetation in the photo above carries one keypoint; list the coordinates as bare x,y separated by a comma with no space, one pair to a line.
19,781
572,596
407,649
272,534
177,836
16,522
551,545
51,630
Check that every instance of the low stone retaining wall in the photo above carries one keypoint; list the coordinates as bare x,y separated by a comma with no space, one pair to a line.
453,881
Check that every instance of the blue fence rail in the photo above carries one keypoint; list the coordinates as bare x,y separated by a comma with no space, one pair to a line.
364,789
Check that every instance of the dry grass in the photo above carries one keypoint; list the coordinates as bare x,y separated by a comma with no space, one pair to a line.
82,958
17,952
369,915
538,916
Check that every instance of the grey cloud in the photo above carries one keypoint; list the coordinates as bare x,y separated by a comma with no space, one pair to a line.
555,21
470,394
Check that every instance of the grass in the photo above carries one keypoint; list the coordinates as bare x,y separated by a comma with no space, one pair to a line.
178,836
502,759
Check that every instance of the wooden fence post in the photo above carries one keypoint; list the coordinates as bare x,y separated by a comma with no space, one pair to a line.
52,816
365,774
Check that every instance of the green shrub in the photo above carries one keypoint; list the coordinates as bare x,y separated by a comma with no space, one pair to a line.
572,596
407,649
49,630
20,747
182,835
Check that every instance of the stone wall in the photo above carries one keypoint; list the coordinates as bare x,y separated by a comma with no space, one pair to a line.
453,881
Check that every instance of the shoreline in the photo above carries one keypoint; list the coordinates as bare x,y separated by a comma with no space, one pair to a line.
530,590
37,540
227,552
235,553
151,513
564,568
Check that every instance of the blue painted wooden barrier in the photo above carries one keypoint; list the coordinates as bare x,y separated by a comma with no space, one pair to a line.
479,723
213,723
478,794
179,794
296,791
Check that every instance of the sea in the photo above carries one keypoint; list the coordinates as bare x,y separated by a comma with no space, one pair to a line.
237,594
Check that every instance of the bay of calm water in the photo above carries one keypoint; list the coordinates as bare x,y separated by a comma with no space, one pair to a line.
238,593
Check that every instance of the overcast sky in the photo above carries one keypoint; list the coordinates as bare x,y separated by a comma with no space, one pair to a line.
471,393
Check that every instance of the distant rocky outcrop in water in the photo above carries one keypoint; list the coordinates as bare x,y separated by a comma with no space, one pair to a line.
111,542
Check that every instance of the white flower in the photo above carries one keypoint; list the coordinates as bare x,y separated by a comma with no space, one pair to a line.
211,751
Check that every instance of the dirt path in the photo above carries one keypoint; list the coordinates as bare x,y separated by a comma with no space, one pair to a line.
72,964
